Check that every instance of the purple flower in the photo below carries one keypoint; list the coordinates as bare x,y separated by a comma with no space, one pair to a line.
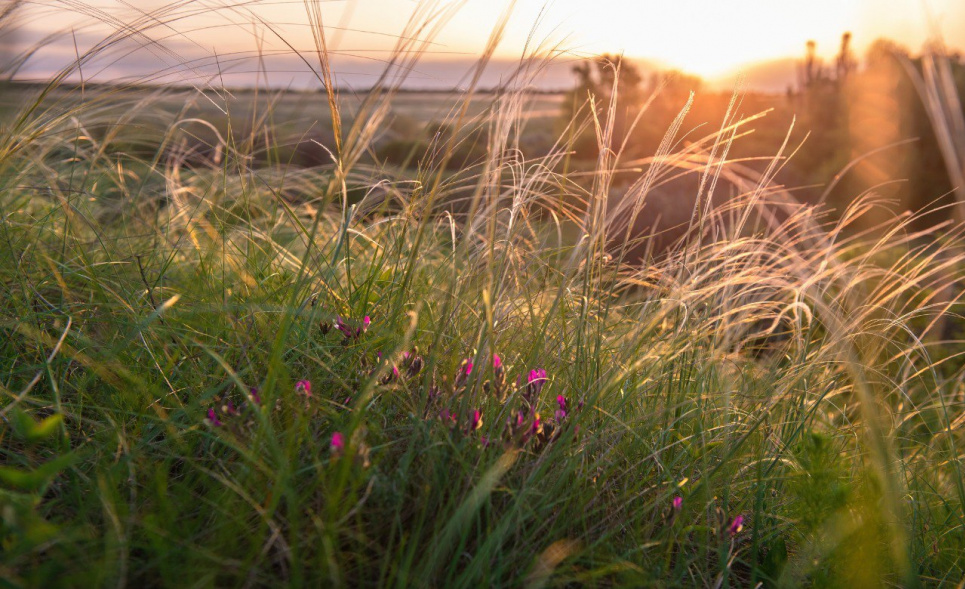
255,397
678,503
561,412
230,409
736,526
338,443
342,326
213,418
304,387
352,332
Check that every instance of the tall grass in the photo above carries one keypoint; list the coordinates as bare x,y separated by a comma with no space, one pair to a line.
160,316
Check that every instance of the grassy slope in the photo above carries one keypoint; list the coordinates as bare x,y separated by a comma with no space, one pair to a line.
764,369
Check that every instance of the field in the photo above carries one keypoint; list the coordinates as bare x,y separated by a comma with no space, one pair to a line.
226,361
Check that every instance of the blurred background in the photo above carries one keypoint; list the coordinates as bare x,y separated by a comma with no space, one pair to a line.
866,93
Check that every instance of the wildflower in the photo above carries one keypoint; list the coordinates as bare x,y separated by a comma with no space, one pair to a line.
537,427
462,375
448,417
230,409
414,364
342,326
475,421
338,443
352,332
212,419
736,526
255,397
560,414
534,384
304,387
678,503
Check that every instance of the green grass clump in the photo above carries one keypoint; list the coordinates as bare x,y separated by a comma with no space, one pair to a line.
752,405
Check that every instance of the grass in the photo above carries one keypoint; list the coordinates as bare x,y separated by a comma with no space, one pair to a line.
769,369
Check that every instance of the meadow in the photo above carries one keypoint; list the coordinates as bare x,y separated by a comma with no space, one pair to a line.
222,365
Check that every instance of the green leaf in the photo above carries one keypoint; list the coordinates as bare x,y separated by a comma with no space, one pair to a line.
36,479
46,428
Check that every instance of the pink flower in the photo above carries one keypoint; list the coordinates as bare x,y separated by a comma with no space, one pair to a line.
736,526
561,412
338,443
537,377
678,503
534,384
467,366
475,421
304,387
213,418
352,332
497,362
537,425
448,417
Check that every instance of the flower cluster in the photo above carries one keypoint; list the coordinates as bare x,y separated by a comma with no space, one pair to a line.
522,402
228,411
351,330
525,425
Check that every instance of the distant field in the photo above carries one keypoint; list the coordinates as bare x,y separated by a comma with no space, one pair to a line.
292,110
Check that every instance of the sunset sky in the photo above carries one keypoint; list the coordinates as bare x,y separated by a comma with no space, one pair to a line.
712,38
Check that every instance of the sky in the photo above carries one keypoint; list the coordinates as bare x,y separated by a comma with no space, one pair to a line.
714,39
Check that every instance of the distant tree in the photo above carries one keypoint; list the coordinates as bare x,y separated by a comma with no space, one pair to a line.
600,81
884,53
845,63
674,87
812,71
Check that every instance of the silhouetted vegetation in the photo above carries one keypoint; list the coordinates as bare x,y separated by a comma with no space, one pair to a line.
837,114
